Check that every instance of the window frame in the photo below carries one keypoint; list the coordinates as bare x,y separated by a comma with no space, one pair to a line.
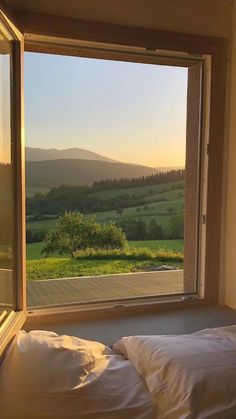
14,320
74,29
45,44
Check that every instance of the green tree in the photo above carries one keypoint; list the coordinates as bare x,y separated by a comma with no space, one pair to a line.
112,237
155,230
176,227
75,232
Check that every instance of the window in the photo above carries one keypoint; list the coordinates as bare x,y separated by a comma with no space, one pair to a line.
125,161
12,304
6,189
205,132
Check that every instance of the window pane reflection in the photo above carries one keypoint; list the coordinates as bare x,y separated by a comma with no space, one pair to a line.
6,202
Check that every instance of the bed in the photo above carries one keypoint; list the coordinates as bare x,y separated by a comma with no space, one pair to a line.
46,376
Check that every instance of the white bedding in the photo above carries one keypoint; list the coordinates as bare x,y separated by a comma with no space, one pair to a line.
46,376
190,376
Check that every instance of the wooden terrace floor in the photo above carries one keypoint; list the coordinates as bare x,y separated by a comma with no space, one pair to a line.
108,287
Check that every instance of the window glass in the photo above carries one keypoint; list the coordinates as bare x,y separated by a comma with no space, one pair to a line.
6,201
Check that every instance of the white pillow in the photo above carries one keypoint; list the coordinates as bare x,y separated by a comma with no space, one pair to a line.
190,376
46,376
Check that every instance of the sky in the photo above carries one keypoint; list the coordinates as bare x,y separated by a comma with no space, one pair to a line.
131,112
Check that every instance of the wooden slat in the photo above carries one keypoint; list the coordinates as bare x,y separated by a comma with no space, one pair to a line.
87,289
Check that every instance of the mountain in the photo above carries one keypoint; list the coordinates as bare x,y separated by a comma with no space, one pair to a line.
50,173
40,154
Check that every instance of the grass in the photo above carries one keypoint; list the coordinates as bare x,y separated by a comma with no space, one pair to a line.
139,255
175,245
44,225
90,263
34,249
140,191
143,254
66,267
156,210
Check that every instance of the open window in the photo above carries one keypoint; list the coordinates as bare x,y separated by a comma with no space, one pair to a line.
157,206
198,191
12,302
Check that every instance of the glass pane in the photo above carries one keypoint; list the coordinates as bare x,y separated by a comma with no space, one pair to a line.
6,202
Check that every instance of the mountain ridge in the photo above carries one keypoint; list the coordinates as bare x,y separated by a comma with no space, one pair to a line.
50,173
41,154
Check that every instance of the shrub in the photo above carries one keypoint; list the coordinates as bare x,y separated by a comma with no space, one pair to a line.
130,254
75,232
112,237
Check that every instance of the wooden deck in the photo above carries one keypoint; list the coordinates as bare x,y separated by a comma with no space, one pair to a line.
108,287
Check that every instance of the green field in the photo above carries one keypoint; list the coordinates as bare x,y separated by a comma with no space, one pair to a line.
44,225
160,202
39,267
174,245
34,249
160,199
32,190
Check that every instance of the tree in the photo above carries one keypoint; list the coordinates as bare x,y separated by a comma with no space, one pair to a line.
135,229
155,230
112,237
176,227
75,232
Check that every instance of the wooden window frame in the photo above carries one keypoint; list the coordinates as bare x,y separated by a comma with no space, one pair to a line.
13,321
39,26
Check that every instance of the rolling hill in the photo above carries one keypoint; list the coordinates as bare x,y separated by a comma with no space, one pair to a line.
41,175
40,154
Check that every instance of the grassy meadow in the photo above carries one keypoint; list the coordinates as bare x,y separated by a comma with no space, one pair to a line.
158,202
139,256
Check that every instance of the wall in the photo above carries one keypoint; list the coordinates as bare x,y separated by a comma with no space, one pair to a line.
201,17
228,291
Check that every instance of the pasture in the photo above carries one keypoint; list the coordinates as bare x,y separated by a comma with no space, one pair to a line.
167,252
159,202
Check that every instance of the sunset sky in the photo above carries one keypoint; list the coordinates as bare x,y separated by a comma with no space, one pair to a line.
130,112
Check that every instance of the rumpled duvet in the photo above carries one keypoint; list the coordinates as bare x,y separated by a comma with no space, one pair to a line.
189,376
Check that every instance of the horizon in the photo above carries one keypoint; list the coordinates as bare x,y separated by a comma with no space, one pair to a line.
145,103
115,161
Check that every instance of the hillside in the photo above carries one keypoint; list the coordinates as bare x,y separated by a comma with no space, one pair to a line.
146,212
51,173
40,154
